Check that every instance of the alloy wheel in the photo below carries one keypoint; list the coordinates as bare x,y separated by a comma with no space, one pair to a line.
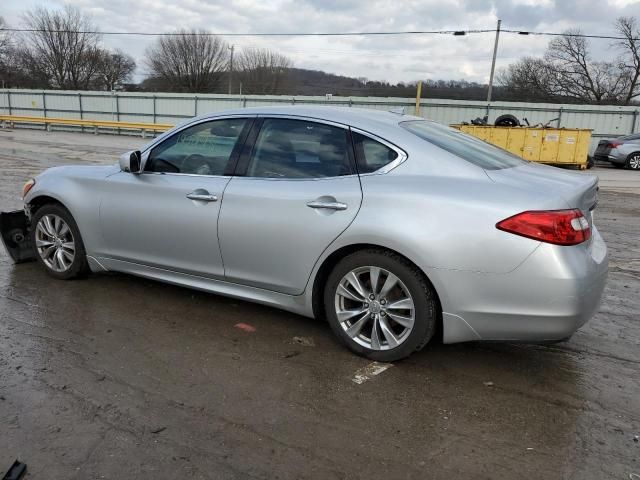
634,162
374,308
55,243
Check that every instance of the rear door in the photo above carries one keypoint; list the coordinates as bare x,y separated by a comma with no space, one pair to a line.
296,189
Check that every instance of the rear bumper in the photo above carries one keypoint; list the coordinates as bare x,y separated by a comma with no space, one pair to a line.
547,298
14,230
619,159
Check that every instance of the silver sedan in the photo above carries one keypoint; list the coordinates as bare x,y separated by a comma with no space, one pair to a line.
393,228
621,152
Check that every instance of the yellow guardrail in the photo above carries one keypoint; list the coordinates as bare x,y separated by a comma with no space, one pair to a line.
47,121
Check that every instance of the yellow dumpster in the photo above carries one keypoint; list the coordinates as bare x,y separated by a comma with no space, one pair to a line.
555,146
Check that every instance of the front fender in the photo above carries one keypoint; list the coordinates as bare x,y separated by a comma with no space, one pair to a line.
78,189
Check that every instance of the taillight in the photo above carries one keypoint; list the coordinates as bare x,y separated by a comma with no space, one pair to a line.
613,144
560,227
28,186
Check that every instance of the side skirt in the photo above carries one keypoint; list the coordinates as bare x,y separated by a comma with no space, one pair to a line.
295,304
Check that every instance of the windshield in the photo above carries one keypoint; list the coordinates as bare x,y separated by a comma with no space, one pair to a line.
464,146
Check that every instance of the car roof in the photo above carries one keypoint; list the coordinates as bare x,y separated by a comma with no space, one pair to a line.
357,117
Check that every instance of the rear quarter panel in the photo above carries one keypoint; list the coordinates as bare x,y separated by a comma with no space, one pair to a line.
444,223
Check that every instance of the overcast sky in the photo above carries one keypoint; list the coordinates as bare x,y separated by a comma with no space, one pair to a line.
397,58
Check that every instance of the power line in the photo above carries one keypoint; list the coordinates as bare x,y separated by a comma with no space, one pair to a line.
320,34
567,34
260,34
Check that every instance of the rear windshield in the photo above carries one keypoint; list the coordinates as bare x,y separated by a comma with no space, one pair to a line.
464,146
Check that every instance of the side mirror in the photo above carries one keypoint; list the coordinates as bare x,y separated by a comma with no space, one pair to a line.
131,162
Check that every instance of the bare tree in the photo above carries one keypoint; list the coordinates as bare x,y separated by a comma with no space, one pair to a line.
567,70
577,75
62,47
531,77
5,39
263,71
189,61
627,27
114,69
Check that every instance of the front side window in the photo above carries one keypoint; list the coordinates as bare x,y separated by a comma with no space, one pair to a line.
300,149
371,154
467,147
203,149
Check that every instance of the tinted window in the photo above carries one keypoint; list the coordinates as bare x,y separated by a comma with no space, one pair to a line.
464,146
372,155
204,149
299,149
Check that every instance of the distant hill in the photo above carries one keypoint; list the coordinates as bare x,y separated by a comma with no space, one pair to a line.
299,81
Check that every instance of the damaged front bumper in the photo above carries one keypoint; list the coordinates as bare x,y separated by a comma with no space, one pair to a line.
14,230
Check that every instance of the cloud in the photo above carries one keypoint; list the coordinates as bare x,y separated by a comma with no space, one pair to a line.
391,58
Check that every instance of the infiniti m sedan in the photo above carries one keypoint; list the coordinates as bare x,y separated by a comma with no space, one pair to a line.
393,228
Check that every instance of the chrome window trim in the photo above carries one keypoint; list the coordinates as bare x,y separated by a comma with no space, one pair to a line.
147,150
186,174
304,119
308,179
171,132
402,155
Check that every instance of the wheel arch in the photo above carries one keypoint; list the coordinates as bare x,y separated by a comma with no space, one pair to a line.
331,261
40,200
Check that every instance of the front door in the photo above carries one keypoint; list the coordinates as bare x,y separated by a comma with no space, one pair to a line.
167,216
297,193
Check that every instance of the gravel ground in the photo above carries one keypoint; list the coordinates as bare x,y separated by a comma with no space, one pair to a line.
118,377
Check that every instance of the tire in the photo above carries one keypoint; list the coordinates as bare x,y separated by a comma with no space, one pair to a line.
590,162
345,295
633,161
507,120
57,243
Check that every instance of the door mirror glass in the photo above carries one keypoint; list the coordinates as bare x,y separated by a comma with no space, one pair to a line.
130,162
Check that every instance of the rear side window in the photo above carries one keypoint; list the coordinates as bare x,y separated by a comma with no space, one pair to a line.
464,146
372,155
300,149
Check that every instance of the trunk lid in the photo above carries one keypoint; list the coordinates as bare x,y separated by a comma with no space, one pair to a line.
578,190
603,148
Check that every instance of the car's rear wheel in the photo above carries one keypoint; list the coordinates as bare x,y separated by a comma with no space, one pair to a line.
380,305
633,161
57,242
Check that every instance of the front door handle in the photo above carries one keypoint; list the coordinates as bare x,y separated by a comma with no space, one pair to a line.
327,205
202,197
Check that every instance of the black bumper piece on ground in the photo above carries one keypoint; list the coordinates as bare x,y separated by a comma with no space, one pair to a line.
14,230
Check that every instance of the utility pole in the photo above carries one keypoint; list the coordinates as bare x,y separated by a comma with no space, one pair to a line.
231,67
493,64
418,95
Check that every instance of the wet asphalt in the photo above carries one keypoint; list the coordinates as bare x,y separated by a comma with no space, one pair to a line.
118,377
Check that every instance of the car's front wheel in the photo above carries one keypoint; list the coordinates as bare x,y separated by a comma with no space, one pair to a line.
380,305
57,242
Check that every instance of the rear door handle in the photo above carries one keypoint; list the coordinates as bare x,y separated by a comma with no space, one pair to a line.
202,197
327,205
